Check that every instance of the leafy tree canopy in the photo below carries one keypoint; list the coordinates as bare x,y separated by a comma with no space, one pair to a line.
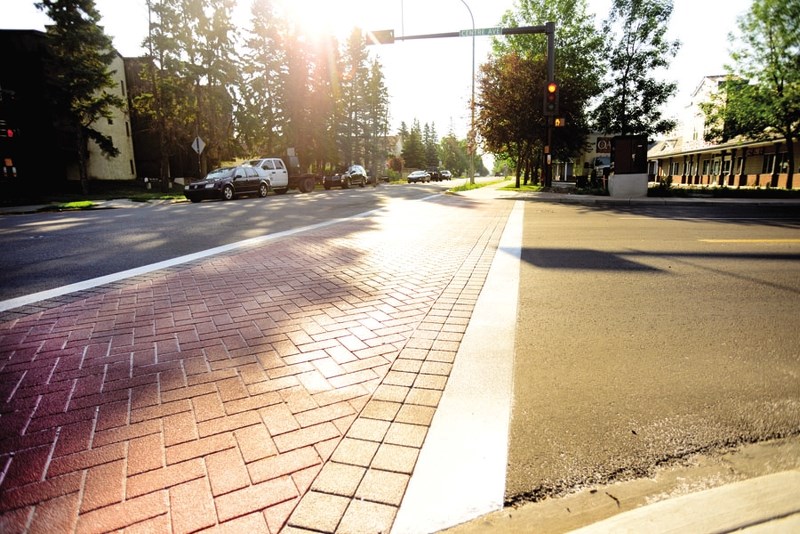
761,98
636,31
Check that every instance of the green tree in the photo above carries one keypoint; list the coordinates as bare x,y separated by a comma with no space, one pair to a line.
353,78
768,57
170,101
508,124
81,56
297,115
453,156
413,148
578,70
217,78
430,141
259,116
376,119
325,61
636,30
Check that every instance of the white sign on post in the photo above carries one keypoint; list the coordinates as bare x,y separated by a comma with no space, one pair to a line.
198,145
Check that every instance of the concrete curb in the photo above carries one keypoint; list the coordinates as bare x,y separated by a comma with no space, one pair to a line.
736,506
469,429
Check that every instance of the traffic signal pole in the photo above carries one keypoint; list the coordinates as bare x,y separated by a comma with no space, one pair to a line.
549,29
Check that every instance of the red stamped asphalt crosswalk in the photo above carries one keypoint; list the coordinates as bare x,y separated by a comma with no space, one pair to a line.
285,387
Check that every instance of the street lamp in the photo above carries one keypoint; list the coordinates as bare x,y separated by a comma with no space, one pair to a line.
471,136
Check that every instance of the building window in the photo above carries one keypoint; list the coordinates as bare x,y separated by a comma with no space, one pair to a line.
740,165
716,167
769,164
122,87
726,166
705,167
110,121
127,129
782,164
131,162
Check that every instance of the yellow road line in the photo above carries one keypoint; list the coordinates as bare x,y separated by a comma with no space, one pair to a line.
788,240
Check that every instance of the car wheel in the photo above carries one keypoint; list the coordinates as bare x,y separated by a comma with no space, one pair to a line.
363,183
327,187
263,190
227,192
280,191
346,183
195,200
307,185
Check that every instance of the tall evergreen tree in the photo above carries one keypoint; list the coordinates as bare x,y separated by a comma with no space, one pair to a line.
353,80
81,56
431,142
413,148
207,39
169,103
638,46
376,119
218,79
259,116
323,83
297,116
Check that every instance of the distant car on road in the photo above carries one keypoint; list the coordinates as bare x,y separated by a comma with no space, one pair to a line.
436,176
355,174
226,183
419,176
447,175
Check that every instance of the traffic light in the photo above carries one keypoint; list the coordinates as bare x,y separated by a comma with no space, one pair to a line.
551,99
380,37
6,131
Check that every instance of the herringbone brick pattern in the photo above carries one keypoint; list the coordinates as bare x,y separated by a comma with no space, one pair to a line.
284,387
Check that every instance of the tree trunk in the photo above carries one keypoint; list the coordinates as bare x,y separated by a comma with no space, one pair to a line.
790,171
83,163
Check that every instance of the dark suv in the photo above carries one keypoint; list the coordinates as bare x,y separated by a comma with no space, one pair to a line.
436,176
354,175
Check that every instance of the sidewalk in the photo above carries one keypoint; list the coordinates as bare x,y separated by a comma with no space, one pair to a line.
286,387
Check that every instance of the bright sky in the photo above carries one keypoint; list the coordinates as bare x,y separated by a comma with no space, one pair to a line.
431,80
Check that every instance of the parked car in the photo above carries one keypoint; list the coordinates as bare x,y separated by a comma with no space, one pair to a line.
355,174
228,182
436,176
419,176
447,175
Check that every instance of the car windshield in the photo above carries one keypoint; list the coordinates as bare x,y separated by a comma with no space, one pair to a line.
218,174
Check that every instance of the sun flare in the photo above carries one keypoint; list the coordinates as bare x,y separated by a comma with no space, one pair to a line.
321,17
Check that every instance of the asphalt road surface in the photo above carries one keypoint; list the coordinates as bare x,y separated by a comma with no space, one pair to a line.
42,251
646,335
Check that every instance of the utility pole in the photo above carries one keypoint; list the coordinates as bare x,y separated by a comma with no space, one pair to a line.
549,29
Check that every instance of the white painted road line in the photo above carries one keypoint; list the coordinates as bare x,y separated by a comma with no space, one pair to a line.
461,470
33,298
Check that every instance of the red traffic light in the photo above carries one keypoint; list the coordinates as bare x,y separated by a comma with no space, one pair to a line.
9,133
